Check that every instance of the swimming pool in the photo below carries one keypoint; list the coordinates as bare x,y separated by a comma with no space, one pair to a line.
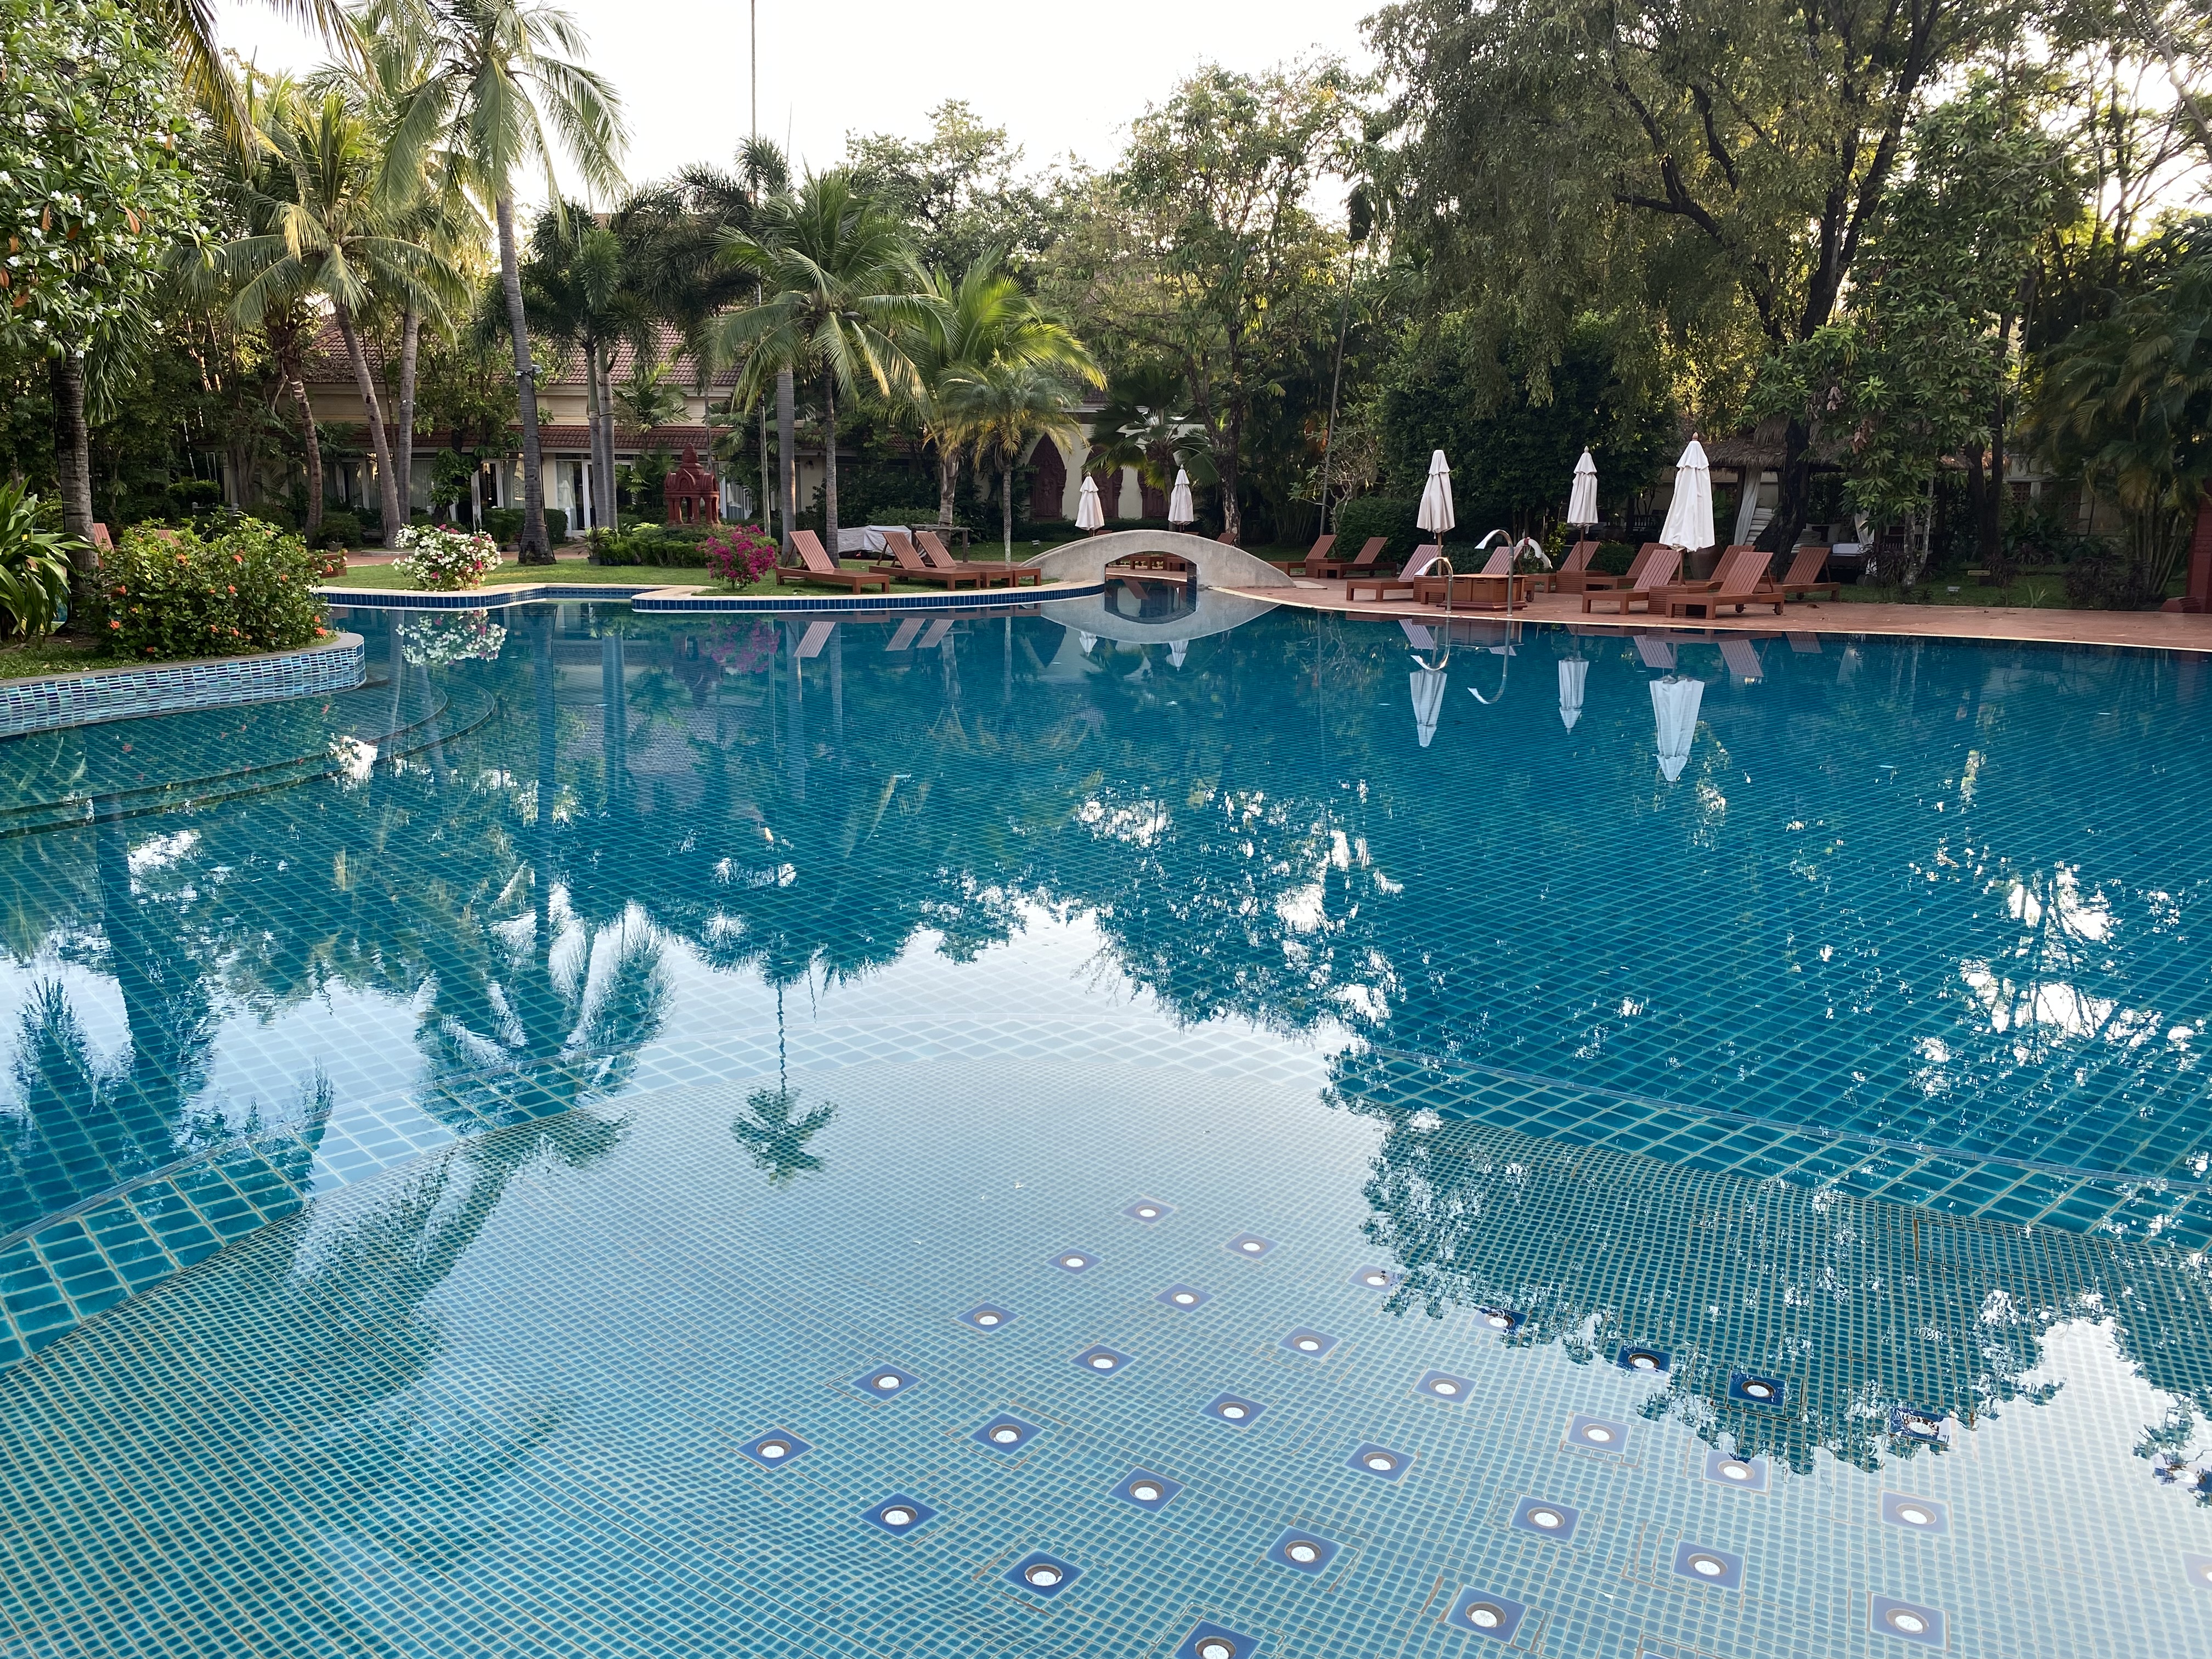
615,1048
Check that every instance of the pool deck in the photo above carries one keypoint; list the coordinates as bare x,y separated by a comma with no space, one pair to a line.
2165,629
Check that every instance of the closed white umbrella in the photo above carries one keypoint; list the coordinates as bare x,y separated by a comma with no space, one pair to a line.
1690,518
1675,706
1176,651
1436,515
1574,675
1090,513
1582,498
1428,686
1180,510
1086,640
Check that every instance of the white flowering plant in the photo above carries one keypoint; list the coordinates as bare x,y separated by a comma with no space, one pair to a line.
439,560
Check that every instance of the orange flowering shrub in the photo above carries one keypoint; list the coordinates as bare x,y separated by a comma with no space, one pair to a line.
167,594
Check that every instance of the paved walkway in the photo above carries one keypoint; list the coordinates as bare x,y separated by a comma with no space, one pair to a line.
2138,628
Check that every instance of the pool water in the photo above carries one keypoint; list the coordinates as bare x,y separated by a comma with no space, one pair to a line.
590,1144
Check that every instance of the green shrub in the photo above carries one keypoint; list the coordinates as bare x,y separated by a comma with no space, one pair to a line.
1613,558
167,593
556,525
341,528
34,566
1389,516
503,524
660,544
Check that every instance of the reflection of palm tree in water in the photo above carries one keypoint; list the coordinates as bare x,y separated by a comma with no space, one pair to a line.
773,1129
551,1012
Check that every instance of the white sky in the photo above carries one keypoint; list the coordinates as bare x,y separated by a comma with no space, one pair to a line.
1059,82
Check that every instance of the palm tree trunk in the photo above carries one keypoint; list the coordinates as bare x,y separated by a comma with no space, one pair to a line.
829,464
593,409
314,440
609,508
948,478
73,470
787,461
410,345
1007,506
387,491
534,549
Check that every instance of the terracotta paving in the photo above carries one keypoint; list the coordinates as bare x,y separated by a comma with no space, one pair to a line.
2137,628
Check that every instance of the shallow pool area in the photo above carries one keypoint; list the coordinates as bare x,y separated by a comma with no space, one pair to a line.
635,1134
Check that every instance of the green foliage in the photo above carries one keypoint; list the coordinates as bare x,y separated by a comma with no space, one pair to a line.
34,566
1202,252
1366,516
93,186
169,593
1914,370
1513,450
960,189
666,546
341,528
504,525
2125,405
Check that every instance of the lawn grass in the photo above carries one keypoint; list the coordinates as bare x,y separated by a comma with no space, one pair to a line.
576,572
57,653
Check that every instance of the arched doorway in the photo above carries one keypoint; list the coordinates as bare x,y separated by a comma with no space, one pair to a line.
1048,482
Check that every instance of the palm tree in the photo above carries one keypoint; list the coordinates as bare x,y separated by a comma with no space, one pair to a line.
493,88
574,290
397,53
322,225
1001,409
984,317
189,27
842,291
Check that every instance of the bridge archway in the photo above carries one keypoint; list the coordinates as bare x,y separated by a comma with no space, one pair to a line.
1218,564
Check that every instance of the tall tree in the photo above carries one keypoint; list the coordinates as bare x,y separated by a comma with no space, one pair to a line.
323,224
841,292
94,192
572,292
1002,408
1664,154
1204,251
962,191
496,88
983,318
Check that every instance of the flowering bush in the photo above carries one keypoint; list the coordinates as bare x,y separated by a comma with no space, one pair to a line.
441,560
740,556
450,637
175,593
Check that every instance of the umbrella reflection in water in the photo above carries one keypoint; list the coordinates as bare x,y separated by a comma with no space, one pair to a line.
1674,704
1428,688
1574,675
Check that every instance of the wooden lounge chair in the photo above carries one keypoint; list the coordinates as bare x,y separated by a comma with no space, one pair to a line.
817,566
1305,561
1600,581
1402,582
1741,657
1566,576
1433,589
1659,564
907,566
932,551
1803,579
1330,570
1735,586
